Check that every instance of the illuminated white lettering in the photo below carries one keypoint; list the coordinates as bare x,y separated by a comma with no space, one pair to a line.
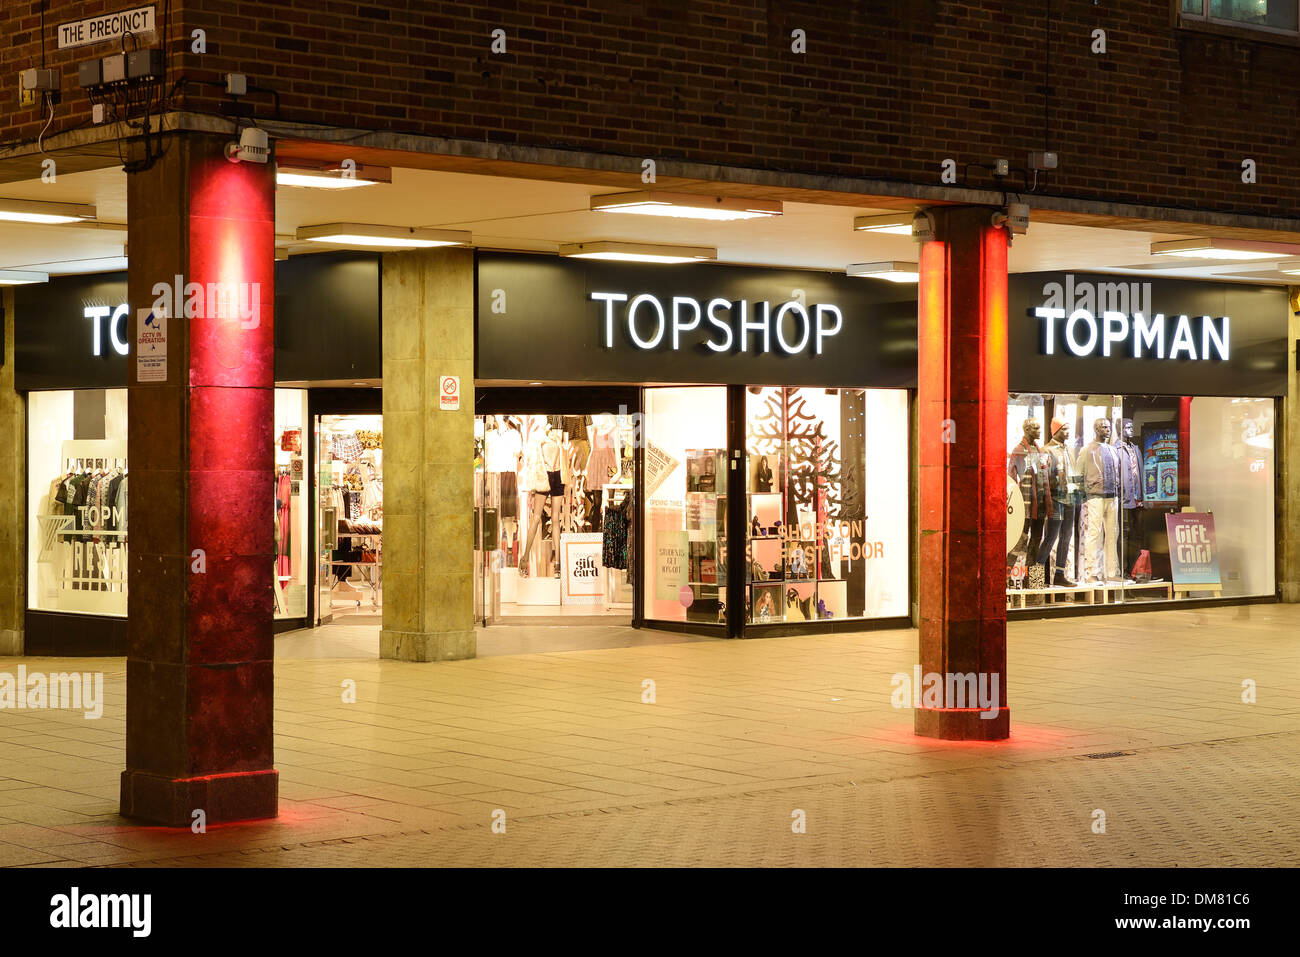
95,314
1218,336
1116,330
805,323
631,321
761,325
1076,317
1183,341
720,324
678,326
1049,316
824,332
1149,334
609,298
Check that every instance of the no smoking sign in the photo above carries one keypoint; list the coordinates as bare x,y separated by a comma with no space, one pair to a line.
449,393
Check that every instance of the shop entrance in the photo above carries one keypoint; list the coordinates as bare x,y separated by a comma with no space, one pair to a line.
555,505
350,517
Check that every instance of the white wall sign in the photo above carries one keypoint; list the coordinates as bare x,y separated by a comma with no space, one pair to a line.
109,26
151,347
580,554
788,328
449,393
1084,318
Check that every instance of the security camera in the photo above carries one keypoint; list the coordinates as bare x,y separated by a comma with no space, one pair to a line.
253,147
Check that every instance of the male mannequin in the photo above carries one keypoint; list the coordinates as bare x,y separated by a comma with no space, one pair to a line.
1065,498
1130,496
1033,470
1100,464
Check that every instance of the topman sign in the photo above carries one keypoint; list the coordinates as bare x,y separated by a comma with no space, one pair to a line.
1085,318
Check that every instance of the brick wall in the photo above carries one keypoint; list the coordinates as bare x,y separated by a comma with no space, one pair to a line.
887,89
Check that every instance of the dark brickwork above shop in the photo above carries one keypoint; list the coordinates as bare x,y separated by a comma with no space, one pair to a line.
886,89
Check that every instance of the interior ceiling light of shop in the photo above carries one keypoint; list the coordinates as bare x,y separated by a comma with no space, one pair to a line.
684,205
1225,249
638,252
32,211
387,237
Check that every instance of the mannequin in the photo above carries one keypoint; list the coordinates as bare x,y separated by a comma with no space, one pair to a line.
1100,466
1065,499
537,484
603,462
1034,471
503,447
1130,496
559,459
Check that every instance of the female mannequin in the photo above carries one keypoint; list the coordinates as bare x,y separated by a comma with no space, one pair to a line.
537,483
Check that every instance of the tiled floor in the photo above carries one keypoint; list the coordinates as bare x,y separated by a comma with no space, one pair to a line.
740,736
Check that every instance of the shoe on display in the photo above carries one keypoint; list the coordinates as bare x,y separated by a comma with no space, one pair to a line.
1062,580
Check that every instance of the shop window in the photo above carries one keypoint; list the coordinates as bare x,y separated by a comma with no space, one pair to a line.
826,504
685,479
555,517
77,501
1281,16
1138,498
291,549
350,514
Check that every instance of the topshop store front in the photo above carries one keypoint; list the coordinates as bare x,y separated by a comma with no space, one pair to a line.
695,447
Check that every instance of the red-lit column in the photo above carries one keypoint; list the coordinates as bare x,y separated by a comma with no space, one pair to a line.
201,499
962,402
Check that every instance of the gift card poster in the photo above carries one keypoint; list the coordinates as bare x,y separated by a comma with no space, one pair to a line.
1193,549
1160,465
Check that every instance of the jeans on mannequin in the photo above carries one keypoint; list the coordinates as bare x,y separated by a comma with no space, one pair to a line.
1064,536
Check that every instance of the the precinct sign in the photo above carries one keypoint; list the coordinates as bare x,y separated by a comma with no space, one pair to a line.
109,26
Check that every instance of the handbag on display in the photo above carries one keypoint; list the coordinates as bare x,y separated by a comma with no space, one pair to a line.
1142,567
1035,578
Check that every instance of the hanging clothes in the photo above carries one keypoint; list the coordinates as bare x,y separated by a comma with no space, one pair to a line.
283,525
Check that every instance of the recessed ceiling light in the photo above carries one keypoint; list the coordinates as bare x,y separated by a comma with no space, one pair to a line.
1227,249
534,383
15,277
893,224
892,271
386,237
31,211
651,202
638,252
330,176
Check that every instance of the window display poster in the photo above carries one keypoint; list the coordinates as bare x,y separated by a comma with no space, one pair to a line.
1160,465
581,554
1193,550
671,563
658,466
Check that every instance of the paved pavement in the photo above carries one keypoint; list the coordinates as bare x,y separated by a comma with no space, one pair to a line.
739,737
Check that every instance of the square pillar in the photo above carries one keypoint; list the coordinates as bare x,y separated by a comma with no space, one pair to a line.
201,499
428,320
962,411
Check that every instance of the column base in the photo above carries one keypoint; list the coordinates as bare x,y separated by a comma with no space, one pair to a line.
223,798
427,645
962,724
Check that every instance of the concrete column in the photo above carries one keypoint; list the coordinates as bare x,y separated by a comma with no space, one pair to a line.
1288,492
962,411
13,492
428,317
199,639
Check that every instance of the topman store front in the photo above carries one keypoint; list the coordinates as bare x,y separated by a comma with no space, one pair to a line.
713,449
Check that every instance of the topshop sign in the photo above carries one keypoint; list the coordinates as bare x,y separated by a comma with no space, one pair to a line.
719,325
1087,318
116,327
